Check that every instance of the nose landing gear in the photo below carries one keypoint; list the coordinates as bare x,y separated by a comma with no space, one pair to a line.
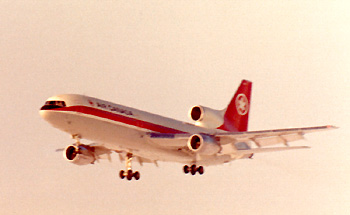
129,174
193,169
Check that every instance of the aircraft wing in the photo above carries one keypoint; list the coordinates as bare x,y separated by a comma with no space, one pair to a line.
272,137
260,138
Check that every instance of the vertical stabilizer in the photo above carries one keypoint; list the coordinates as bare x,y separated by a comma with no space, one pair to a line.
237,112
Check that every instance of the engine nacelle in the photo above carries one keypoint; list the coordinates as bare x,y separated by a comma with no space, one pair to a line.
206,117
80,155
203,144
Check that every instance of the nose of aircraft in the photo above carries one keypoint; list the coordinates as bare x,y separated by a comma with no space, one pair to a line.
43,113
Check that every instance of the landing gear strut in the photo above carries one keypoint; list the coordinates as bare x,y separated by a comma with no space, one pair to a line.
129,174
77,138
193,169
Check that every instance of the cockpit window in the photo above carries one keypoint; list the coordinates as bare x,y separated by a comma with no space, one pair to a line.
57,103
53,104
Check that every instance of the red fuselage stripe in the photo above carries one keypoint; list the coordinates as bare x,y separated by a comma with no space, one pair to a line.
120,118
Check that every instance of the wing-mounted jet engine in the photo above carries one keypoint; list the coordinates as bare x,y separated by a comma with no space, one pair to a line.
203,144
84,154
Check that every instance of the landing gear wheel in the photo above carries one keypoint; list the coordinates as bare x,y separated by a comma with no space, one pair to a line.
137,175
122,174
129,175
200,170
193,169
186,169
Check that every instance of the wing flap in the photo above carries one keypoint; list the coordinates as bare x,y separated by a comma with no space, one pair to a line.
269,149
274,140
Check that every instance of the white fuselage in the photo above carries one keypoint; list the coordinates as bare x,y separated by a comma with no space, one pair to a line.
219,136
118,127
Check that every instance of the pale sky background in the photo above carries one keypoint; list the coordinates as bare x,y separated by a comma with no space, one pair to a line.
164,57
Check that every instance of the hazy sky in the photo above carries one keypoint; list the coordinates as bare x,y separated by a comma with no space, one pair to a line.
164,57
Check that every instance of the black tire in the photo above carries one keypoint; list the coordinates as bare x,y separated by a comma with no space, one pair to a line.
186,169
129,175
193,169
137,175
200,170
121,174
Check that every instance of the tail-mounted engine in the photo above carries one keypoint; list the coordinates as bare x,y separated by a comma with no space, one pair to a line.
203,144
80,154
206,117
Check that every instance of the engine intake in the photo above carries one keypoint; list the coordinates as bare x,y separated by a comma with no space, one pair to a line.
80,155
206,117
203,144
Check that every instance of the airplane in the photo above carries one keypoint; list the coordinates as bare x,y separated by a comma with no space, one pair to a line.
216,137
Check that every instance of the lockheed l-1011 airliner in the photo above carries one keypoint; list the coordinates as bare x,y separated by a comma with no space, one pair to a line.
216,137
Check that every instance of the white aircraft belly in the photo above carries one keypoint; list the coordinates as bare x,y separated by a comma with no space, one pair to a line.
114,135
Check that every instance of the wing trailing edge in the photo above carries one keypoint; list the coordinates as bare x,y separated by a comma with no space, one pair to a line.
269,149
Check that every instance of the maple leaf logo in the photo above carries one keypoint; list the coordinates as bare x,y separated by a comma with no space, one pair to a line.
242,104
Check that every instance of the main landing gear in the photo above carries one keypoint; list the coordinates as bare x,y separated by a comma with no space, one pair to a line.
193,169
129,174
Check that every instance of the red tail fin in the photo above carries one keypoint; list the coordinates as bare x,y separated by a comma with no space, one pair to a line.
237,112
